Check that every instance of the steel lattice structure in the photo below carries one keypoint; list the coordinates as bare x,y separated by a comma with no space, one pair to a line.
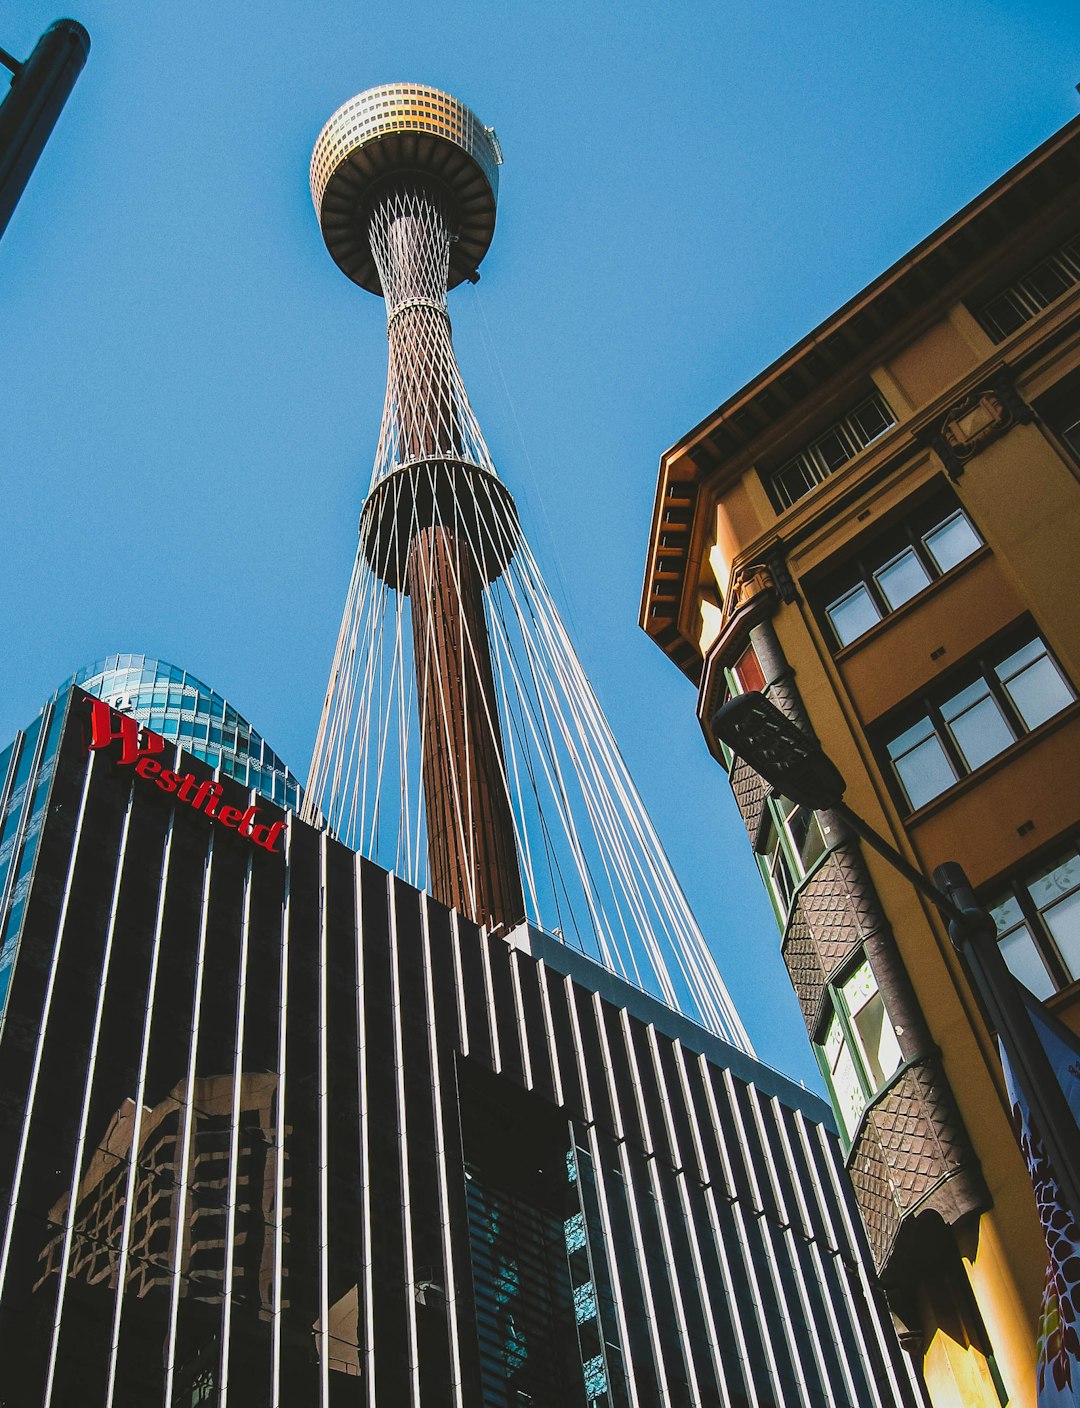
460,743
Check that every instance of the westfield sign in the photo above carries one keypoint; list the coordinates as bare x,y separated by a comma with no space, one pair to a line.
138,747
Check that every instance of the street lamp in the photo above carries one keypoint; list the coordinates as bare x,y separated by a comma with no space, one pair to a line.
40,87
794,763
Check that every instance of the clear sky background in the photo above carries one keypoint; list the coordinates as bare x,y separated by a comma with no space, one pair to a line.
190,391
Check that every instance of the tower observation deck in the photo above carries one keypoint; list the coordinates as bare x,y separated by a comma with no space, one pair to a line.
460,743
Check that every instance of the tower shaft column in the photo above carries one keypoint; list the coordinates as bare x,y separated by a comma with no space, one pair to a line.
472,857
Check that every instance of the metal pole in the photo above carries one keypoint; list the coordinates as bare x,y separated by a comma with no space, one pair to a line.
974,936
866,832
38,92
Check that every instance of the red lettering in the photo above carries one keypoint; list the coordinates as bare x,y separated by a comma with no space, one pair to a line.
207,790
266,836
107,726
138,747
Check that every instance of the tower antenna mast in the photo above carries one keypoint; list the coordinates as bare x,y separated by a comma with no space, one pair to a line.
405,180
461,744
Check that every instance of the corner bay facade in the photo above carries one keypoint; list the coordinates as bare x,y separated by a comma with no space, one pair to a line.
277,1129
880,532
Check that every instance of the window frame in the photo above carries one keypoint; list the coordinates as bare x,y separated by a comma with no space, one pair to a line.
838,1012
787,855
931,706
1043,941
803,472
885,550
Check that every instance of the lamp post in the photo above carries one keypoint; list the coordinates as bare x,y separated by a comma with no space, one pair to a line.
39,89
795,764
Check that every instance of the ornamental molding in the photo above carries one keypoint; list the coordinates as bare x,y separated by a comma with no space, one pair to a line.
975,421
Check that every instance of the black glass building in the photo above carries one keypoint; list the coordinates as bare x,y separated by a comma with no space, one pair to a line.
276,1129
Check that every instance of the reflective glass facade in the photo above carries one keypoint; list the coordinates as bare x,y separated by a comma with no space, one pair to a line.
180,707
276,1129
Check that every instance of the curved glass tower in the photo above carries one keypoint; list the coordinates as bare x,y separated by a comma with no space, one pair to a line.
172,702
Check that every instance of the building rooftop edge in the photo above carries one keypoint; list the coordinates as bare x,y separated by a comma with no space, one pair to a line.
672,1023
878,287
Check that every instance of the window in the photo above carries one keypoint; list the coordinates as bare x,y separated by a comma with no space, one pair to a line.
1032,292
791,847
792,842
1014,691
896,567
858,1051
1059,409
824,456
747,673
1038,924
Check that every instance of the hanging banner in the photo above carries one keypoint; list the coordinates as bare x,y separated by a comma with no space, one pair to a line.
1059,1321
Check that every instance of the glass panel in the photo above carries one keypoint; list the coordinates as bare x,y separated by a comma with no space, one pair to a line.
950,542
902,578
905,741
806,837
1019,658
1063,921
777,872
1023,961
1037,690
853,614
850,1100
880,1048
925,771
1006,913
834,448
1056,880
748,672
981,731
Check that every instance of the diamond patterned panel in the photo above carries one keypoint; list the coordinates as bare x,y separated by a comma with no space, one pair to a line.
911,1153
804,966
750,791
835,911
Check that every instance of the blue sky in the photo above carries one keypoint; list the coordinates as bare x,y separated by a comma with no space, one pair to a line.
190,391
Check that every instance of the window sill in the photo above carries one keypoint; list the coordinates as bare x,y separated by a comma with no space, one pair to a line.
1003,759
845,652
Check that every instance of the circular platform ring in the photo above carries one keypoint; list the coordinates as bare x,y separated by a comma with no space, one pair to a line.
461,497
404,130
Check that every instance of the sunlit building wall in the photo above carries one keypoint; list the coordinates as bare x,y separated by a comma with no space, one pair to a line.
880,531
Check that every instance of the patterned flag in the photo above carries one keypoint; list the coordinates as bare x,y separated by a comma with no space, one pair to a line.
1059,1340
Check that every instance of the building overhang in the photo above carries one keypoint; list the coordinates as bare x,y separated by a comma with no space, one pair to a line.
946,266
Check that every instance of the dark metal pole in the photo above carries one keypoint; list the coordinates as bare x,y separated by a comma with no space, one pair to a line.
974,936
866,832
38,92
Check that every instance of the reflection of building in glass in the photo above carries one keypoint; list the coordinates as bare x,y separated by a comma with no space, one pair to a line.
180,1191
880,531
424,1164
175,704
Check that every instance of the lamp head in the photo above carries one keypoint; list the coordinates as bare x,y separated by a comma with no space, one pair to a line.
788,759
